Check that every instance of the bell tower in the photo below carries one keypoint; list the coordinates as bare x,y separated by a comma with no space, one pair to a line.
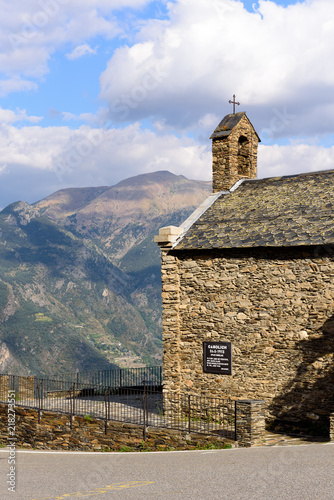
234,151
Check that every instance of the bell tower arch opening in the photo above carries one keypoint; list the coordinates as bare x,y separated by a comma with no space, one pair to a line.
243,156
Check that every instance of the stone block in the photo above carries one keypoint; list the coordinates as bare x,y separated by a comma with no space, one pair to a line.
168,234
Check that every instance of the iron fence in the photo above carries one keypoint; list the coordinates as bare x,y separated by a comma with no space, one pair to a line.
119,377
145,406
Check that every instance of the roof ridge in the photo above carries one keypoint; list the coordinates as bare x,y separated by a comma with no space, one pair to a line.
302,174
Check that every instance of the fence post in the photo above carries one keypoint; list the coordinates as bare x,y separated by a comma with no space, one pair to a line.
250,422
72,405
144,409
39,404
107,408
74,398
39,389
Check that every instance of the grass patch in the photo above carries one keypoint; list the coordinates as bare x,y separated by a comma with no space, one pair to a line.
143,446
147,446
126,449
40,317
214,446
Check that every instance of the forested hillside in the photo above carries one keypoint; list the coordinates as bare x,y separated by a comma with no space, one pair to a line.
80,274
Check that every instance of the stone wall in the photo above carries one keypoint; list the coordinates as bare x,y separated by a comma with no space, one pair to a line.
233,159
331,427
275,306
58,432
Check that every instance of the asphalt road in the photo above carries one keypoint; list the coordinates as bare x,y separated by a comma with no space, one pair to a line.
289,472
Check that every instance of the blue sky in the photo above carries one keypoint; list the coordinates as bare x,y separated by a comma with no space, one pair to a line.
94,91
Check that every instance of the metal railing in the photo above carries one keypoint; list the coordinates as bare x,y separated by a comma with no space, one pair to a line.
146,406
119,377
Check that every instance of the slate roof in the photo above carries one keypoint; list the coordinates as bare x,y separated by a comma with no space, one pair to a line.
228,123
274,212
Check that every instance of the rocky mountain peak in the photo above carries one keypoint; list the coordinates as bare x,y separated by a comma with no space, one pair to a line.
20,213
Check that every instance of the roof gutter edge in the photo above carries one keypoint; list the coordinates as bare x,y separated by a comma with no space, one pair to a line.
236,185
197,214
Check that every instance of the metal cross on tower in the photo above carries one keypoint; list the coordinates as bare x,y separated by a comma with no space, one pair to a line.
234,103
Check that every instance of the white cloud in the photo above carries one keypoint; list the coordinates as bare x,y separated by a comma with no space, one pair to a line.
287,160
7,116
106,156
30,32
31,147
275,58
80,51
15,85
3,167
90,118
68,116
48,159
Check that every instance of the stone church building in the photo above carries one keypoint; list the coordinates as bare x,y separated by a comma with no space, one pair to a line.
252,271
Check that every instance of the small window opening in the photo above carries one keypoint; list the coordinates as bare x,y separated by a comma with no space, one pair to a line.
243,156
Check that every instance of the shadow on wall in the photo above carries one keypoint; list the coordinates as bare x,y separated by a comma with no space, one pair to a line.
308,399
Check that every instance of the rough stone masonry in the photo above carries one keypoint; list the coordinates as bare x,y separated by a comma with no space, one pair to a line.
277,310
255,267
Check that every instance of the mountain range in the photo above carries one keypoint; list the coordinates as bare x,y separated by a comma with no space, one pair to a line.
80,275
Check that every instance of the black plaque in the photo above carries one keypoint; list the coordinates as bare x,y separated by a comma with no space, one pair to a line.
217,357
